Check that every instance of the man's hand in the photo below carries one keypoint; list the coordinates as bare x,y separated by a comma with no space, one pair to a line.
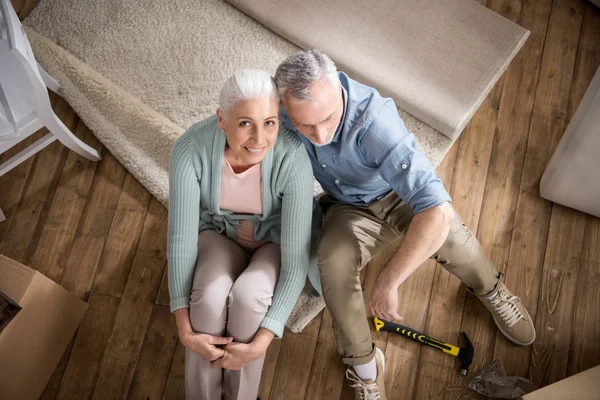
383,302
237,355
426,234
205,345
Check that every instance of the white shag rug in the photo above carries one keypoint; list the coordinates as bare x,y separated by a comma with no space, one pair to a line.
138,73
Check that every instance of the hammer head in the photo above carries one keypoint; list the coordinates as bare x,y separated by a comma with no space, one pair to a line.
466,354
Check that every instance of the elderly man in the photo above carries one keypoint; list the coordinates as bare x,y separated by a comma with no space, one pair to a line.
377,185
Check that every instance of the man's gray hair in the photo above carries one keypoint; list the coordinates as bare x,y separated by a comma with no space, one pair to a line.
246,84
297,72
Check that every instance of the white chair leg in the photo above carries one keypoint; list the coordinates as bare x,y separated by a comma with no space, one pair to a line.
2,217
28,127
67,138
50,82
26,153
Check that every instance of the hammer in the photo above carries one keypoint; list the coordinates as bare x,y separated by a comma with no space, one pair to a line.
465,354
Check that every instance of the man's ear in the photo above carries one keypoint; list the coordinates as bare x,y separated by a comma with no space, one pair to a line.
285,99
220,119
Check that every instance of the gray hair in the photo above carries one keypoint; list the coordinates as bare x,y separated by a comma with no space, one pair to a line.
297,72
246,84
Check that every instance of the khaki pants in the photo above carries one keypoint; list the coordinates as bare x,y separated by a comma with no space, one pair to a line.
352,235
230,296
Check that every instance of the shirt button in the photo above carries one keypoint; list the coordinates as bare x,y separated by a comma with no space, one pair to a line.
337,181
324,166
404,166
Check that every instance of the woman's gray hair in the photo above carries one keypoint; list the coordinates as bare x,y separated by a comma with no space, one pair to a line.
297,72
246,84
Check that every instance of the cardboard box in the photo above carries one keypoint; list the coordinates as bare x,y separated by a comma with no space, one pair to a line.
32,344
582,386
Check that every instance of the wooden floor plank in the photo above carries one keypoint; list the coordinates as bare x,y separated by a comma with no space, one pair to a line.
562,263
554,317
468,192
532,220
443,322
477,321
135,308
53,386
81,374
584,349
163,298
497,217
60,228
327,370
94,226
295,359
24,7
470,173
269,369
123,239
13,183
175,387
29,217
156,356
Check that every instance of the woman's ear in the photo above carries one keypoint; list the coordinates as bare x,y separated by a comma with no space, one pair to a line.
221,119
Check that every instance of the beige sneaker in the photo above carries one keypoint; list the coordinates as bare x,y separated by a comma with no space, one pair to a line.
510,315
370,390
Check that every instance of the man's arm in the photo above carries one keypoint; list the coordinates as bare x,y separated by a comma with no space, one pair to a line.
389,146
426,234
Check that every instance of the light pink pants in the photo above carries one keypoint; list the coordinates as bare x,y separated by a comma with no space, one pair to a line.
230,296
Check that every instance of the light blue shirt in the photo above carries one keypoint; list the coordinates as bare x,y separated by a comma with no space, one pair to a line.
372,153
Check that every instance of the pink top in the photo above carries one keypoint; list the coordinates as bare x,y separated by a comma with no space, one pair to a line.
242,194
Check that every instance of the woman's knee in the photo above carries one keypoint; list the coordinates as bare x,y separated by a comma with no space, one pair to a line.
207,304
250,295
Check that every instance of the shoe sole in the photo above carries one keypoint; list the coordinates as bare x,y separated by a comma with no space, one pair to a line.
511,338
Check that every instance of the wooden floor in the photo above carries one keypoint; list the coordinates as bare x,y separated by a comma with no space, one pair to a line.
95,230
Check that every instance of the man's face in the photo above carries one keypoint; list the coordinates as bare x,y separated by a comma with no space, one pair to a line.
317,119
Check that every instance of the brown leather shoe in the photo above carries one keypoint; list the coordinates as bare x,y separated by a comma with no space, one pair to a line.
370,390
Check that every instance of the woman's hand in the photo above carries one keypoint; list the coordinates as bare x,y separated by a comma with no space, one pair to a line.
203,344
238,355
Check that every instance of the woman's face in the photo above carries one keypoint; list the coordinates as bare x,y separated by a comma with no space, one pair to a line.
251,128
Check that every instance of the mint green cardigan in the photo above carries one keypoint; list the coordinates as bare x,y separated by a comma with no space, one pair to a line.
194,191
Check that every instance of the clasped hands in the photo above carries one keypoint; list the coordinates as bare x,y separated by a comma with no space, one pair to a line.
222,352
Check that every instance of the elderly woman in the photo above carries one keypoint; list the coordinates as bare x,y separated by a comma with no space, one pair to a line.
240,209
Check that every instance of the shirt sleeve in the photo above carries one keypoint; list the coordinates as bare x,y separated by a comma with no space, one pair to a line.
184,213
296,216
390,148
